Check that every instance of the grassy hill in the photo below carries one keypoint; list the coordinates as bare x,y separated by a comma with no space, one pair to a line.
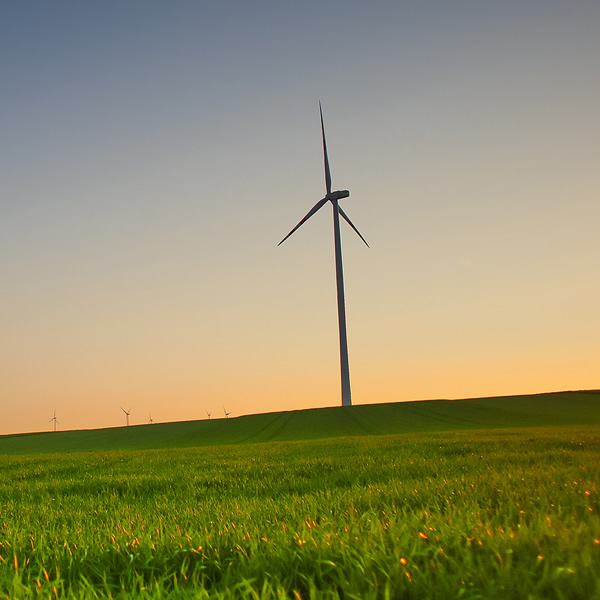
561,408
492,498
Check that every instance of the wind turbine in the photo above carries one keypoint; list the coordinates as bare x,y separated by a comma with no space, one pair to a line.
226,413
208,414
54,419
127,413
150,419
334,198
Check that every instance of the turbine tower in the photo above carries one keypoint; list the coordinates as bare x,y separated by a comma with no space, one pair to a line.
54,419
226,413
127,413
334,198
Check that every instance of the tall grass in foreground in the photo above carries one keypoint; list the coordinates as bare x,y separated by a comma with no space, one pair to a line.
498,514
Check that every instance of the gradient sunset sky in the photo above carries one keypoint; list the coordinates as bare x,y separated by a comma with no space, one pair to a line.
153,154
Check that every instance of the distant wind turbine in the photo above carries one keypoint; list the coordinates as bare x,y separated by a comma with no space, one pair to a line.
150,419
226,413
334,198
127,413
208,414
54,419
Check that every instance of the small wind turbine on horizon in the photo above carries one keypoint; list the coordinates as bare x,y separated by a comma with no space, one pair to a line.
150,419
208,414
226,413
54,419
127,413
334,198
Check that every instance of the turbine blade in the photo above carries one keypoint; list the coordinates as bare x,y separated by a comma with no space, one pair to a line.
347,219
310,213
325,157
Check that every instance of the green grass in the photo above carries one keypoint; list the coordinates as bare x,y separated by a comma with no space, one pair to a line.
454,513
563,408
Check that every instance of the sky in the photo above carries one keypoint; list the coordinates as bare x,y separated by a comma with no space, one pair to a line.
153,154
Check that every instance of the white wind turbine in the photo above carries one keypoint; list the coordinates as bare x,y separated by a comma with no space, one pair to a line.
127,413
334,198
54,419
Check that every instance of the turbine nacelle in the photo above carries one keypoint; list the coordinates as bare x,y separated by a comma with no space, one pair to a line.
333,196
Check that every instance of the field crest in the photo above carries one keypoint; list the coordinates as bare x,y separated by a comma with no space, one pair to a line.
552,409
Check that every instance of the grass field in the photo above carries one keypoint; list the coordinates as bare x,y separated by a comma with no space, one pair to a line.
480,500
